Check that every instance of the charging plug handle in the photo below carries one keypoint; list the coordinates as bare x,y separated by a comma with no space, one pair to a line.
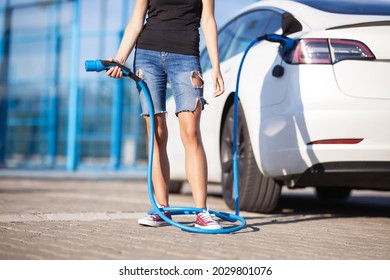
100,65
284,41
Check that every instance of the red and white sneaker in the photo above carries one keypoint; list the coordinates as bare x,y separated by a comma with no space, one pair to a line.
154,220
204,220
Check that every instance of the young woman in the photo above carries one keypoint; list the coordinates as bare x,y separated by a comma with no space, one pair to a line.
167,50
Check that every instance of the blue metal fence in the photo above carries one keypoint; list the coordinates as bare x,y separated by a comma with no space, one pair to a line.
53,115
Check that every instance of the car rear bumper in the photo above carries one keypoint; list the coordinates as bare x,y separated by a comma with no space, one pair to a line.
363,175
289,150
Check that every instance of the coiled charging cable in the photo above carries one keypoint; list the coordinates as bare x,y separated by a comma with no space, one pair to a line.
100,65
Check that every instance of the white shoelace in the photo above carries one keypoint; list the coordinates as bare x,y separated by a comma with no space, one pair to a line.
206,217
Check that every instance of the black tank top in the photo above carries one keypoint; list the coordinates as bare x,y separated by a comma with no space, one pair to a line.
172,26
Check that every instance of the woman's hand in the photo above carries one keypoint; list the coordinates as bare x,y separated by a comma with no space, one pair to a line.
114,72
218,83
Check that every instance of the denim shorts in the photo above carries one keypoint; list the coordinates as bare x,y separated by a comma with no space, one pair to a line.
182,73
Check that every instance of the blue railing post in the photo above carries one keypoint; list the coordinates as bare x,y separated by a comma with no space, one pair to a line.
52,115
4,54
117,104
71,156
3,26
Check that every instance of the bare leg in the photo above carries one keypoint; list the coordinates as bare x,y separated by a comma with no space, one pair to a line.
161,172
195,157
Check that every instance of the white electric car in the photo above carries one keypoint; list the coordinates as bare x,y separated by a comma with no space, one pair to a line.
317,115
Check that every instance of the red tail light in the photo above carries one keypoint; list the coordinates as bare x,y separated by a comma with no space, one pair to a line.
336,141
347,49
328,51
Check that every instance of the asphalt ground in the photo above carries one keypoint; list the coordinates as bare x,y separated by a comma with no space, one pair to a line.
96,219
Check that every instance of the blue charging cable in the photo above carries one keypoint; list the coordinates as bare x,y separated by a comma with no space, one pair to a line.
287,44
100,65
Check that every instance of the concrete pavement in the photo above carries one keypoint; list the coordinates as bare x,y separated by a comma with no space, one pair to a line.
97,219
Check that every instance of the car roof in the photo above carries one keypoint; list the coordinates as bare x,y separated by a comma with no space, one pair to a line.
314,18
356,7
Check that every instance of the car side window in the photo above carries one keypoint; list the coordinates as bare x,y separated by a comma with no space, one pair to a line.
238,33
274,25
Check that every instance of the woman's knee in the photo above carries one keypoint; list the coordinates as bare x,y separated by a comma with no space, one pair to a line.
190,135
190,127
189,130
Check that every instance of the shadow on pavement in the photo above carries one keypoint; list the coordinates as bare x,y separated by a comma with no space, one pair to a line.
357,205
296,208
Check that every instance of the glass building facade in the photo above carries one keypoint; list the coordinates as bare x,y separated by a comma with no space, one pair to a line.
53,114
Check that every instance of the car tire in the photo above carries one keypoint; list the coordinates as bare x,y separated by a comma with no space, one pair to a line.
175,186
257,193
329,193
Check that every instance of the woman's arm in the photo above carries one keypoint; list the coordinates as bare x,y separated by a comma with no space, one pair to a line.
132,31
209,28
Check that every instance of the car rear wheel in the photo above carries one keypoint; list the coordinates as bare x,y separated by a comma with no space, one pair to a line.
257,193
